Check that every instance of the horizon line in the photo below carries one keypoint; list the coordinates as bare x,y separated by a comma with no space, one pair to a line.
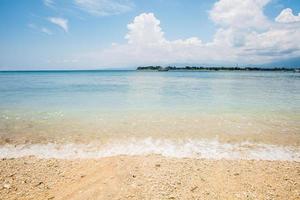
134,69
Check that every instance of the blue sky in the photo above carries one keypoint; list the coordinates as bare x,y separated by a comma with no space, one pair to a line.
86,34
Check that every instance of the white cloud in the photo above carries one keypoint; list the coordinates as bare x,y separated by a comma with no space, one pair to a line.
48,3
245,35
41,29
240,14
105,7
248,32
47,31
287,16
61,22
145,29
146,44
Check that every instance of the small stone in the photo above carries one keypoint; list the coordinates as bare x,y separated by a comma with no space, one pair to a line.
40,183
194,188
157,165
7,140
6,185
236,174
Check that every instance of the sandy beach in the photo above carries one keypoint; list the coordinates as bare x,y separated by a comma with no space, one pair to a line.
148,177
150,100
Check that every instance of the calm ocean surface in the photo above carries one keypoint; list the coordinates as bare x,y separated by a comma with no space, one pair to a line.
88,92
81,107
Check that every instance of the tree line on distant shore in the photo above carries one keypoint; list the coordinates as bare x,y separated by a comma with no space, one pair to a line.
174,68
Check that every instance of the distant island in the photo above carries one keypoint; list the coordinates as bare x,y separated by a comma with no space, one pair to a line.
193,68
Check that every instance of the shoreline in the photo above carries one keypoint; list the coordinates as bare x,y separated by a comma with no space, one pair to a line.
219,68
194,149
148,177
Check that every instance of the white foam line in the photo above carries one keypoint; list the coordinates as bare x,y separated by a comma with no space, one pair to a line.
188,148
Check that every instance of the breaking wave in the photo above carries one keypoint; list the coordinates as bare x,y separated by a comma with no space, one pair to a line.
208,149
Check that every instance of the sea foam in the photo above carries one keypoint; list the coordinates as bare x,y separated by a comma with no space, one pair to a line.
212,149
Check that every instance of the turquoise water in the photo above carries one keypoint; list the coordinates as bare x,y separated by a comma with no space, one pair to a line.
252,115
87,92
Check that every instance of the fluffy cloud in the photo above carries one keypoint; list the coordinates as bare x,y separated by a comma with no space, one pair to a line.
61,22
146,44
145,29
287,16
245,35
104,7
240,14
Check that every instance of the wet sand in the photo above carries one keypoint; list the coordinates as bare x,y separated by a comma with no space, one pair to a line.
227,128
148,177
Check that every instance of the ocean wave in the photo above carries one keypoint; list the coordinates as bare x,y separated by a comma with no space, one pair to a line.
207,149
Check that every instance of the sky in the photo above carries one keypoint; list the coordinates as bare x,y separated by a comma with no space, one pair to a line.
109,34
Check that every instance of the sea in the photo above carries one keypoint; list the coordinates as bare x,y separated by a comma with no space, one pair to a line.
199,114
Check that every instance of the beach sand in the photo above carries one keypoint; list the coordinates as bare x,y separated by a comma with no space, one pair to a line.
148,177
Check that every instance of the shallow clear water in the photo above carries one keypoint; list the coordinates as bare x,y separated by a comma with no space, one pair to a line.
108,91
105,106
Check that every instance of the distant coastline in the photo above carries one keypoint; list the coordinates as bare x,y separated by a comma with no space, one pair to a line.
193,68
